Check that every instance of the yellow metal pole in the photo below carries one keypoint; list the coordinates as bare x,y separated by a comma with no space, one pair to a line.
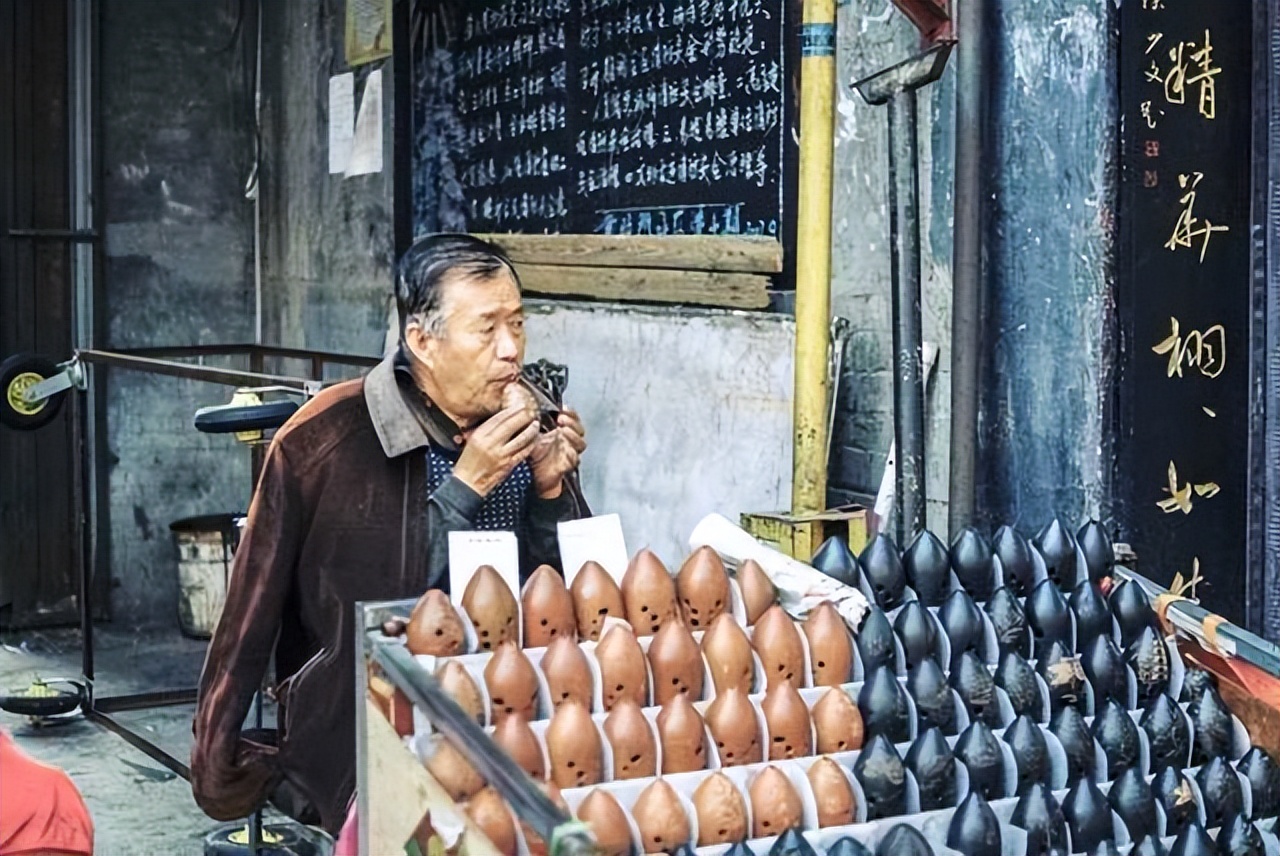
813,255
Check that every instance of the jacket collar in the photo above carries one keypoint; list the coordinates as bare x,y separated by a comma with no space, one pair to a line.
403,417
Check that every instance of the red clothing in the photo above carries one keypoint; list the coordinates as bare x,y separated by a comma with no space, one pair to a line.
41,811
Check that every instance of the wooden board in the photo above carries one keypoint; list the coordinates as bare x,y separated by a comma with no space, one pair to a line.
402,792
1183,294
680,252
704,288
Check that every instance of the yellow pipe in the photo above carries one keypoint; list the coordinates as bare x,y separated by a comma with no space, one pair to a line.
813,255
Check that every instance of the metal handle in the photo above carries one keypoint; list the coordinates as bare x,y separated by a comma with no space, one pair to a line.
564,835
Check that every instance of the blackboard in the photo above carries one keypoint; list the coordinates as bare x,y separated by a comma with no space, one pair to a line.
603,116
1183,292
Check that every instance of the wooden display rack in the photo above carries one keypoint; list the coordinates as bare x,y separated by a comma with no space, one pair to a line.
398,800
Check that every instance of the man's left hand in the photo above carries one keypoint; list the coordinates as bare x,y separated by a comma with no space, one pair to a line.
556,454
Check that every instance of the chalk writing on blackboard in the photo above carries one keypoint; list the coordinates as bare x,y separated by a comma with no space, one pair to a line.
615,116
1205,350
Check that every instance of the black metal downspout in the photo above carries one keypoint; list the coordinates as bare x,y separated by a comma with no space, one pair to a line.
1263,549
966,293
908,370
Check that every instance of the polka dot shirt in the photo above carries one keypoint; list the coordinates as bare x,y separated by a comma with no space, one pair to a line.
503,509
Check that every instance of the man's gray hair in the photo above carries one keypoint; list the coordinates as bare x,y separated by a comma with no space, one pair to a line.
429,263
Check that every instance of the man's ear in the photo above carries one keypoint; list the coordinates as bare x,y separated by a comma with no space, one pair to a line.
421,346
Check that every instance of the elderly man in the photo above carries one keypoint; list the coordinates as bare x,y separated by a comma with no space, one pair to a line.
356,499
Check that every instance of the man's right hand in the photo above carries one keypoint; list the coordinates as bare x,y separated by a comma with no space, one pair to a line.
495,447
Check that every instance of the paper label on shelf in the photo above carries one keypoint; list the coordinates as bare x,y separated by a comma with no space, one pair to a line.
593,539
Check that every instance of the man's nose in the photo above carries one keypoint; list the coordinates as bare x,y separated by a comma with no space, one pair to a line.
508,344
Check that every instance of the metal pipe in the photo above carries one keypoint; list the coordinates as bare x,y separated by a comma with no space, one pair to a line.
813,255
908,369
966,287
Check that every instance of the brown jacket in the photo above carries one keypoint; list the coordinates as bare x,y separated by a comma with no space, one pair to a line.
340,515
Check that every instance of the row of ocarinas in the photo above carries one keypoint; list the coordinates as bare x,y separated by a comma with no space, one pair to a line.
648,597
1032,781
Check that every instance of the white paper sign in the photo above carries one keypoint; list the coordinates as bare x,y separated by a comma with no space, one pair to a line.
469,550
342,118
366,147
593,539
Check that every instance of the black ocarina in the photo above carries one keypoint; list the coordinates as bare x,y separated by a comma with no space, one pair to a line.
876,641
935,704
928,568
932,762
1167,733
1088,816
903,840
883,704
1176,798
962,622
1077,742
1048,617
883,570
918,633
847,846
971,560
1059,551
1093,616
1148,656
883,777
1104,667
1117,734
1132,609
974,830
1099,556
1063,675
979,750
1009,621
1239,837
977,689
1194,684
1016,559
1132,799
1149,846
1015,676
1220,790
836,560
1264,781
1194,841
792,843
1213,728
1030,752
1041,816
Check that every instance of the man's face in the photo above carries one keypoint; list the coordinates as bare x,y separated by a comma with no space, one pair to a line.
481,350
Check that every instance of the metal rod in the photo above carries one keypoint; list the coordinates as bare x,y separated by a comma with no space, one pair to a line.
140,743
966,289
227,377
145,701
75,236
908,358
813,255
566,836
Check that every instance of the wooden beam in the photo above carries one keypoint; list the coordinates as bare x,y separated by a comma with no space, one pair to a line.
736,253
705,288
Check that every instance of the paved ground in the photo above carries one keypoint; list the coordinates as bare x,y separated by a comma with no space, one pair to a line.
139,808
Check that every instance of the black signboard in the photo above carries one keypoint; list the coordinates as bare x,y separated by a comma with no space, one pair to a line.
603,116
1183,291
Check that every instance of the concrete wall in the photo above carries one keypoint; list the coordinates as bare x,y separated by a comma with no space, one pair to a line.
176,149
687,412
1047,304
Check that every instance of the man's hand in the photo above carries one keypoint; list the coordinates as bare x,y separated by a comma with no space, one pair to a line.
495,447
556,454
